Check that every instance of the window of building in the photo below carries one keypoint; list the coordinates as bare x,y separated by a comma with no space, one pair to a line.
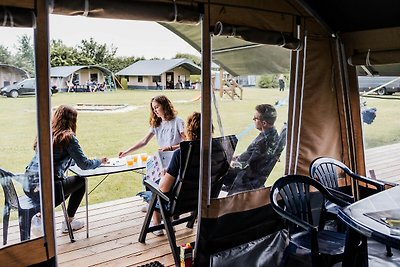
140,79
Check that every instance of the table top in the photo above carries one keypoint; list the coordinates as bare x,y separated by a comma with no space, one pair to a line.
385,201
107,169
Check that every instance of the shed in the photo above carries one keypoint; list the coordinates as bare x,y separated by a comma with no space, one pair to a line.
160,74
11,74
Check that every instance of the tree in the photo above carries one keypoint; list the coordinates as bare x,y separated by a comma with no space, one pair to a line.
268,81
191,57
5,55
96,54
63,55
25,54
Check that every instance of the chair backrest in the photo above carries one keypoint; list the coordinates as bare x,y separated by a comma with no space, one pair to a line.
325,170
281,143
292,198
185,191
10,195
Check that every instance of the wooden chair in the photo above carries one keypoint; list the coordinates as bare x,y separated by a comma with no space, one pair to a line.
183,199
294,197
326,170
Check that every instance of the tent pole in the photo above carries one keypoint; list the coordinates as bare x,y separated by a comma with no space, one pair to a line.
42,60
206,120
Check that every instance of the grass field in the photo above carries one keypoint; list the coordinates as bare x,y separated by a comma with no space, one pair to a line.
106,133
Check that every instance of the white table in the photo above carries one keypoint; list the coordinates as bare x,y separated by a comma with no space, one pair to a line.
102,170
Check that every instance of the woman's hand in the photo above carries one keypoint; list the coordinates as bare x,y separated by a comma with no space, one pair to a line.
167,148
122,154
104,160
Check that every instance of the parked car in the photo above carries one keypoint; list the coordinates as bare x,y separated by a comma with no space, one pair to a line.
24,87
366,83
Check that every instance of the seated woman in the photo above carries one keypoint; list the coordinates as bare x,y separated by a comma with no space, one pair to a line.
66,150
168,180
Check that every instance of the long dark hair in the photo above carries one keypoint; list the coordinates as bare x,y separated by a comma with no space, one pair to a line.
168,108
63,126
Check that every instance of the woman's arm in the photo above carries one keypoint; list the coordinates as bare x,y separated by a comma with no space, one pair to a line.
138,145
76,153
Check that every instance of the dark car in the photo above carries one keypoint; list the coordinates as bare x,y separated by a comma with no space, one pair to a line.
24,87
366,83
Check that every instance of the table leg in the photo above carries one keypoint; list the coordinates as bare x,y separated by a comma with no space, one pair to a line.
87,207
356,250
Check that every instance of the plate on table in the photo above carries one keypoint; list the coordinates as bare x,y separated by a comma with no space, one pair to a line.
114,162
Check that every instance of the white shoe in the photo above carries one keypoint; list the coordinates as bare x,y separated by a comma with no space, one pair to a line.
75,225
36,226
157,232
145,207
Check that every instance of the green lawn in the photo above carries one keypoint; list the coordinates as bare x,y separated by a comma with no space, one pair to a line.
105,133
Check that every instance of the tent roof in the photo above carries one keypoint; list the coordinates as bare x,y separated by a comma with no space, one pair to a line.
338,17
15,68
158,67
237,56
65,71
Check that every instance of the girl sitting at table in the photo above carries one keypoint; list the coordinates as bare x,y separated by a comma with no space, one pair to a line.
66,150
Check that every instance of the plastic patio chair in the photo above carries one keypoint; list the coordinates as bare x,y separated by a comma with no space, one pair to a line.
326,171
24,205
297,198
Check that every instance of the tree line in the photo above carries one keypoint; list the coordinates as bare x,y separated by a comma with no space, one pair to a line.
88,52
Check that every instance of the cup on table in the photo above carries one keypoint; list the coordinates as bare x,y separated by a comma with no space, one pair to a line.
135,159
130,161
143,157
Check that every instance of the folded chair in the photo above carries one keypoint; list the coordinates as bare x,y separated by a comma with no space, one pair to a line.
183,198
24,205
300,200
328,170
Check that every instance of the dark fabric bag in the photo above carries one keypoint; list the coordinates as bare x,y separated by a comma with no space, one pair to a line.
265,251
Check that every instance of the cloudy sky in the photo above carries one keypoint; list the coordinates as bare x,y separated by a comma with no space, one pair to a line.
132,38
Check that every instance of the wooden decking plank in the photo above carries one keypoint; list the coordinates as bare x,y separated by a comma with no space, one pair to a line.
127,248
148,253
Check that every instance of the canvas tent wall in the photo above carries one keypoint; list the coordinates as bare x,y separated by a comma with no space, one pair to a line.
11,74
324,105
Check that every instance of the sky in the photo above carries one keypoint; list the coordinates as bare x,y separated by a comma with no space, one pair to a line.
132,38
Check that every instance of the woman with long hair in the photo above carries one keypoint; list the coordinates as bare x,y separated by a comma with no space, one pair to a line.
168,180
164,125
66,151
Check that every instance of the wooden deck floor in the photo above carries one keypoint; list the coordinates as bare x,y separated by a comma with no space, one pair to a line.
113,241
385,161
115,226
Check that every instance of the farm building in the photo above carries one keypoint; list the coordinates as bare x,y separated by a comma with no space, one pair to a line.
159,74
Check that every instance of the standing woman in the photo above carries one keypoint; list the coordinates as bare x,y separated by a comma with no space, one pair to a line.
164,124
66,151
